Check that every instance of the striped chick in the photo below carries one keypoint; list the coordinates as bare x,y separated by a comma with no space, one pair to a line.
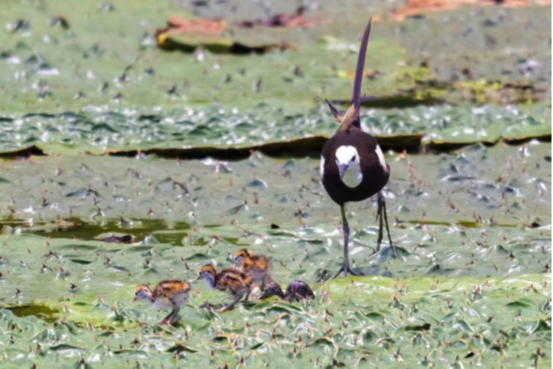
258,267
229,280
169,293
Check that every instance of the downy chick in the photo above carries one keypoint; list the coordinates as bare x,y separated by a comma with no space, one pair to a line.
229,280
297,290
168,293
258,267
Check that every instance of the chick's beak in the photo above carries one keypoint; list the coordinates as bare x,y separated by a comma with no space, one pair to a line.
343,169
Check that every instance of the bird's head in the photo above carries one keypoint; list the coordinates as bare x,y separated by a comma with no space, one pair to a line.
143,292
272,289
241,255
348,162
209,274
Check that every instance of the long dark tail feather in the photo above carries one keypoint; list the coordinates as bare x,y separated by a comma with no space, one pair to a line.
356,98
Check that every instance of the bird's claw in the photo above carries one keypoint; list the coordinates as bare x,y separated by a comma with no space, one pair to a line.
346,269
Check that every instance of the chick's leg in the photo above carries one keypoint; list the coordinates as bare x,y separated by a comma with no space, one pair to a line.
248,292
170,319
237,297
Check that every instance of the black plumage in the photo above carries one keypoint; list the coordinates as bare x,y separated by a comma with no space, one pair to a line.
297,290
375,176
353,167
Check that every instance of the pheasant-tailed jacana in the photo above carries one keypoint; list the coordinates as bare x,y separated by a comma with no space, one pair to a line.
353,167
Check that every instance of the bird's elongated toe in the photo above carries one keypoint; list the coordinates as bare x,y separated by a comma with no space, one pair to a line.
346,269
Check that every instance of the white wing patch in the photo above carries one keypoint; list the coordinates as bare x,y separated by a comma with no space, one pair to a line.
322,168
381,159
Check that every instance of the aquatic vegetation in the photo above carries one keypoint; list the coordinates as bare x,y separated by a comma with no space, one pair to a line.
473,260
123,164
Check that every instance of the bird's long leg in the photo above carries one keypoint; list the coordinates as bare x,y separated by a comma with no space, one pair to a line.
345,265
237,297
382,214
169,319
265,282
388,229
248,292
380,225
173,318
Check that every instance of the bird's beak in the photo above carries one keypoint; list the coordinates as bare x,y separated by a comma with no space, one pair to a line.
197,277
133,300
343,169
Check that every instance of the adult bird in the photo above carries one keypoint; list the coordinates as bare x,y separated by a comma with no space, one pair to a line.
353,167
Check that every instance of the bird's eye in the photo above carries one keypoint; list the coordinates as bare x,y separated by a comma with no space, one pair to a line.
353,158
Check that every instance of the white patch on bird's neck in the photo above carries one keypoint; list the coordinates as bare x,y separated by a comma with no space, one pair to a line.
381,159
347,157
352,178
322,168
